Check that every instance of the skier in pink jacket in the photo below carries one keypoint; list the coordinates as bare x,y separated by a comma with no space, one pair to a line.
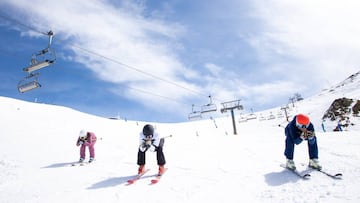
86,139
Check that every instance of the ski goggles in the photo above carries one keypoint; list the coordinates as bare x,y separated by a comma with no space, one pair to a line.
149,136
301,125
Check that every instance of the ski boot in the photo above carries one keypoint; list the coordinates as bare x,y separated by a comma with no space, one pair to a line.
91,159
81,160
290,164
141,169
314,163
161,170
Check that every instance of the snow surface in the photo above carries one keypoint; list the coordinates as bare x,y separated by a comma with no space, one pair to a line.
206,161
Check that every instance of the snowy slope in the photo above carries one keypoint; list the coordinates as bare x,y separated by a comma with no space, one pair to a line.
207,163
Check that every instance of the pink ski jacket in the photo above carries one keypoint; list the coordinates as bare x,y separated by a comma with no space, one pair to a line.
90,139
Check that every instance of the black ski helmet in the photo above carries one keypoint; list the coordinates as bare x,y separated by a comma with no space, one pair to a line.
148,130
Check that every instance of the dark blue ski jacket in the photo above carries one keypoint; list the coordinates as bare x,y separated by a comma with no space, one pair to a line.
293,132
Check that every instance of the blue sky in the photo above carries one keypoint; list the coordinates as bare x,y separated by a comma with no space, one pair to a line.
151,60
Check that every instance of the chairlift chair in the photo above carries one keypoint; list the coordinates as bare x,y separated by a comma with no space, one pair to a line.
251,116
38,65
210,107
262,118
42,58
194,114
280,114
271,116
242,118
28,83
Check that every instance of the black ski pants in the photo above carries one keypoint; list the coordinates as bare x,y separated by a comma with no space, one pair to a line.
159,155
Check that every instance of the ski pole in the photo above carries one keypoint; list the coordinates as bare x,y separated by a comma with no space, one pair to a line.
167,136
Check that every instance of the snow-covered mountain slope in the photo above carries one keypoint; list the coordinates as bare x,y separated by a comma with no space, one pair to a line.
316,106
206,162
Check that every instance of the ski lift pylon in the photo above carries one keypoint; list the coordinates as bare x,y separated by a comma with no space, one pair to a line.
28,83
210,107
42,58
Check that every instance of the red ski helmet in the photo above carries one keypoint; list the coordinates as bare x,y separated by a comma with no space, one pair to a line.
302,121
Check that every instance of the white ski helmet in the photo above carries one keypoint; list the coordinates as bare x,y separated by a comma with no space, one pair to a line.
82,134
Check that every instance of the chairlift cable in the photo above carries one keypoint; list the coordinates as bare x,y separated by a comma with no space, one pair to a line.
22,24
145,73
157,95
114,61
138,70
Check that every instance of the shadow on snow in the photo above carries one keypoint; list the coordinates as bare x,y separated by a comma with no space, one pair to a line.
112,182
282,177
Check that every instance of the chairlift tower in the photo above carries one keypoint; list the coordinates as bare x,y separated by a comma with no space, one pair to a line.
232,105
286,113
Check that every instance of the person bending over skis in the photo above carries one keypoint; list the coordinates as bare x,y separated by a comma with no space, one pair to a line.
86,139
298,130
150,141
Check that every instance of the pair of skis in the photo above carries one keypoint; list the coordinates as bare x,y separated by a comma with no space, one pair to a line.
139,176
307,176
304,176
80,163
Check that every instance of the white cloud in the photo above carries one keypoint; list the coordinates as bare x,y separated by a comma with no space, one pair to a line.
299,46
124,36
214,69
319,38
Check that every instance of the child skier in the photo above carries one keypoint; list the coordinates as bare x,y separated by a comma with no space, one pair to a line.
86,139
298,130
150,140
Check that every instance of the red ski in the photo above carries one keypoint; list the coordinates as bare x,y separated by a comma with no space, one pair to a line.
158,177
137,177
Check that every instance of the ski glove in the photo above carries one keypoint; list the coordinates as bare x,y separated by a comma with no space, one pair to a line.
81,142
143,147
303,136
311,136
308,135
